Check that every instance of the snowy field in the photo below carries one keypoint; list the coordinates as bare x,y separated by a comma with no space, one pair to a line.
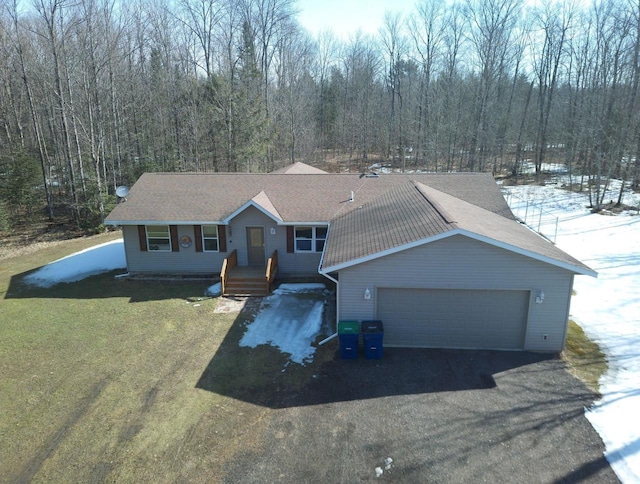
607,308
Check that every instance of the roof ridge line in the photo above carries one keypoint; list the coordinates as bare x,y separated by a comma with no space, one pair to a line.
446,216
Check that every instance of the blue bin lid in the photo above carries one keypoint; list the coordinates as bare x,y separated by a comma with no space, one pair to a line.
372,327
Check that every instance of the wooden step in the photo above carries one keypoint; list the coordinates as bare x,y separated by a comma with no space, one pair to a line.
244,286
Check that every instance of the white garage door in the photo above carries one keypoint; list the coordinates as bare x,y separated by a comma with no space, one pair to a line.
446,318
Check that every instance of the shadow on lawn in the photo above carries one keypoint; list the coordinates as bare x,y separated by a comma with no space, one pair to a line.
263,377
105,285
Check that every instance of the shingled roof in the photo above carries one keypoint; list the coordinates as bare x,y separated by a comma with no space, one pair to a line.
299,168
414,214
192,198
396,218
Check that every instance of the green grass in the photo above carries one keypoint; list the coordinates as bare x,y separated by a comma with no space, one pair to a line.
100,379
584,357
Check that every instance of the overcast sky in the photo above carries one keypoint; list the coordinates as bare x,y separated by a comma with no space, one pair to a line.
345,17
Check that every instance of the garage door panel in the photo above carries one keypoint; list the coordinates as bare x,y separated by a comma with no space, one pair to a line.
453,318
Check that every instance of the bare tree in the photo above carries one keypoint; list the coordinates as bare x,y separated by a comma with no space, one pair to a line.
51,13
41,146
551,30
491,27
327,55
395,50
427,31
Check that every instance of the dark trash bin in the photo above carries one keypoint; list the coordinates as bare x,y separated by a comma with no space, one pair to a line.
372,336
348,335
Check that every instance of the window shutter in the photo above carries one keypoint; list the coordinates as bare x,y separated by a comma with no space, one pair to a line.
222,238
142,235
289,239
197,235
175,243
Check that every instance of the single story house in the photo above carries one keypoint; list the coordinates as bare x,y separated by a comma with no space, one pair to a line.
438,258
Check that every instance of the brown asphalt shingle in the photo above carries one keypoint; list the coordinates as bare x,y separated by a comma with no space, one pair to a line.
396,218
299,168
211,197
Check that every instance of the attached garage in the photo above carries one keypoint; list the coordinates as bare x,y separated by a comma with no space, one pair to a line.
453,318
440,272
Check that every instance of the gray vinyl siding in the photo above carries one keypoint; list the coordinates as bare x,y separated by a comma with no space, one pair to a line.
188,261
461,263
294,264
251,217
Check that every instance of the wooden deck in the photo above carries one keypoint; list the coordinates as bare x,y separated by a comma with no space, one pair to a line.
245,280
249,272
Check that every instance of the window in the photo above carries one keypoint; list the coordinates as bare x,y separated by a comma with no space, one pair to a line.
158,238
310,239
210,238
321,236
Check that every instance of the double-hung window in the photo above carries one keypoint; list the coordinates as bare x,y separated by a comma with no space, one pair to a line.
310,239
210,238
158,238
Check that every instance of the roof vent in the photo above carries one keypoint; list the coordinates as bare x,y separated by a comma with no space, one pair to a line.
351,197
372,174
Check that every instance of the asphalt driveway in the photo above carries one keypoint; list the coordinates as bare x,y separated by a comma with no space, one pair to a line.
441,415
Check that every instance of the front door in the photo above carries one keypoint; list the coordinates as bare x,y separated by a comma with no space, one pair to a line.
255,246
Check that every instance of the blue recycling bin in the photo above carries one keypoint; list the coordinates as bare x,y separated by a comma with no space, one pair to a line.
348,335
372,337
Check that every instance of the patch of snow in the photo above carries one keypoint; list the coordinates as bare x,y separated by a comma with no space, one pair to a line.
80,265
300,287
529,167
288,323
608,309
214,291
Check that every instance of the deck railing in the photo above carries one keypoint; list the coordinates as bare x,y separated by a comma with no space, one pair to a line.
272,270
228,264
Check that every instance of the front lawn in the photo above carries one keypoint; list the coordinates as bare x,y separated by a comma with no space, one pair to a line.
100,379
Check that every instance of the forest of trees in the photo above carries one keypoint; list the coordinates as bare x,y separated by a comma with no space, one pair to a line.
95,92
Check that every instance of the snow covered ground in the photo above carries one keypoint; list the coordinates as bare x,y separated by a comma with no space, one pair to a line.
288,321
607,308
94,260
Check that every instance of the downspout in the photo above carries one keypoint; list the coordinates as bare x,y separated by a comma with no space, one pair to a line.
337,283
326,340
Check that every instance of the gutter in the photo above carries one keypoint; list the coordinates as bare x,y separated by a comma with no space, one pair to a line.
163,222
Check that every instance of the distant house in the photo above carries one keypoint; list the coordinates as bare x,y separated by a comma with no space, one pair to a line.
439,258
